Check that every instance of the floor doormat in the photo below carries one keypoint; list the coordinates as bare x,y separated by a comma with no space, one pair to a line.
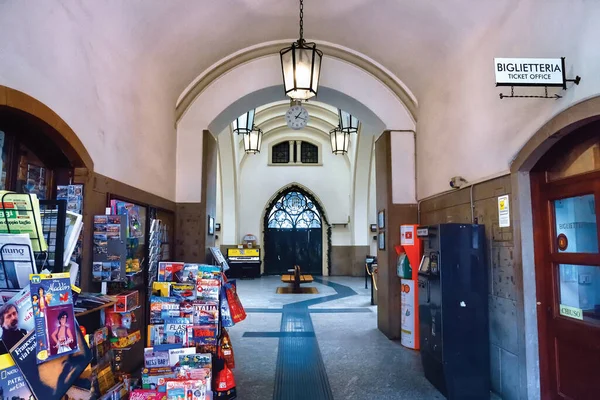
302,290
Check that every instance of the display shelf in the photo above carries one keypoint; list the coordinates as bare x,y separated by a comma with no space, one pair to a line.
99,308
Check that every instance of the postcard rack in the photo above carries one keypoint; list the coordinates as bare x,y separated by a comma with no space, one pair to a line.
10,278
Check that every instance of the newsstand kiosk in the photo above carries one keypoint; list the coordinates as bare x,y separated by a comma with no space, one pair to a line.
411,250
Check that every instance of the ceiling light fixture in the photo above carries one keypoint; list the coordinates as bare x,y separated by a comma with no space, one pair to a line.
244,125
301,66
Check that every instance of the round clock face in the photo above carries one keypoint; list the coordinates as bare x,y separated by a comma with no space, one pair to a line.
296,117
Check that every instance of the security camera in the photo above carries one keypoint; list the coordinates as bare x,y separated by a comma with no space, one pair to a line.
456,182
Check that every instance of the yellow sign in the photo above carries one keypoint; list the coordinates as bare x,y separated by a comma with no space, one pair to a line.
243,253
571,312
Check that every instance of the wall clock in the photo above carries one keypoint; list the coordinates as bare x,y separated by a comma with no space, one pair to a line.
296,117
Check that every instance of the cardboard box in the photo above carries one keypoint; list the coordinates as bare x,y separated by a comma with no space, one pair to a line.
127,301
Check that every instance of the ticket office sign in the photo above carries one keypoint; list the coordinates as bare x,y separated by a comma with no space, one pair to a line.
530,71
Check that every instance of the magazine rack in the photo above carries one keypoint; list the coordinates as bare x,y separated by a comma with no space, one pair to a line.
31,261
54,220
49,206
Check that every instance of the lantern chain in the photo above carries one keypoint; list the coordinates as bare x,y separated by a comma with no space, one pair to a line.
301,20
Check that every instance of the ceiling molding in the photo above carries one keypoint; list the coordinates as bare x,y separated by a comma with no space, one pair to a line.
330,50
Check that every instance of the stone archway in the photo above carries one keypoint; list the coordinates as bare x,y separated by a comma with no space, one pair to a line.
563,124
61,133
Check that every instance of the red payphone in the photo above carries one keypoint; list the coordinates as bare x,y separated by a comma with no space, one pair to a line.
410,252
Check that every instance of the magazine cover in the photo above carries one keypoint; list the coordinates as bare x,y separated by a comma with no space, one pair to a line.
17,320
12,383
54,316
17,262
52,379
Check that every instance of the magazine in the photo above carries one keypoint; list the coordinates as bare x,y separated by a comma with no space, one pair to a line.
54,316
19,261
12,383
73,227
18,320
20,213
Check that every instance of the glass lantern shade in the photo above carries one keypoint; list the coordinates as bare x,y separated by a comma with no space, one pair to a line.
244,123
340,140
347,122
252,141
301,67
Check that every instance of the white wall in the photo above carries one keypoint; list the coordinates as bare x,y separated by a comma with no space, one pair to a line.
111,100
464,128
259,182
372,204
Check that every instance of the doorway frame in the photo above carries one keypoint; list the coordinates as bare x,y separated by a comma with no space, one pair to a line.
325,225
533,374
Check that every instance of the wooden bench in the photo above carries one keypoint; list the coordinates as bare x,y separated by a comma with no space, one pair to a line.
297,278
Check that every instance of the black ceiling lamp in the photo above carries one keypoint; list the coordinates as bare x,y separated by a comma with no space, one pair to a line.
347,122
253,141
340,136
244,125
340,140
301,66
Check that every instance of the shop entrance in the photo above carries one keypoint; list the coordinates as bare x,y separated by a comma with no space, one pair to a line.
293,234
566,209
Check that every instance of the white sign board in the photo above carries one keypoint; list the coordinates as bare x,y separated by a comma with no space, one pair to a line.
571,312
407,235
503,211
529,71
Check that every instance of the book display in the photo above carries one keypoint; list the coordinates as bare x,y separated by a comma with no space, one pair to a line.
189,353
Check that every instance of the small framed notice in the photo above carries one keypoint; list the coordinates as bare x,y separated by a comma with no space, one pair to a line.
503,211
571,312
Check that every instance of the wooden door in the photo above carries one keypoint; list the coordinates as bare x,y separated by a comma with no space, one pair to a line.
567,241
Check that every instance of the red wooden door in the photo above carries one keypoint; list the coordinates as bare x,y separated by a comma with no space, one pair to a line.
567,238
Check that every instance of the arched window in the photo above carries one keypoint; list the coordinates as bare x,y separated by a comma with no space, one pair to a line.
280,153
294,210
295,152
309,153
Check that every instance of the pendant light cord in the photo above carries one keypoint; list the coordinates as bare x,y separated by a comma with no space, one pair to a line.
301,21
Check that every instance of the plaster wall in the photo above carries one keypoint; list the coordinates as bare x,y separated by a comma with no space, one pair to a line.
112,101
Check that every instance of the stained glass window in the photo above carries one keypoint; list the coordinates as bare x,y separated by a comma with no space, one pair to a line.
294,210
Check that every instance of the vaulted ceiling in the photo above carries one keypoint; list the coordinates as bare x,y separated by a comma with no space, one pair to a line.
176,40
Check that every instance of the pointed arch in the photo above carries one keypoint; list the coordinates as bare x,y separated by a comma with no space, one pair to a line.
316,205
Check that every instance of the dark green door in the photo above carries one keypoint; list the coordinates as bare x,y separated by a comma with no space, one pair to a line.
293,236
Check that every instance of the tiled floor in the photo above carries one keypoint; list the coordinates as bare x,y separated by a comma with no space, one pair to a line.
359,361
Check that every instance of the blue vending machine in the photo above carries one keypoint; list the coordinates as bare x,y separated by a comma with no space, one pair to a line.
453,309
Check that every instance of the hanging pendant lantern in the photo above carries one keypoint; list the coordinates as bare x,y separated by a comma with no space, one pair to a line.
340,140
252,141
244,123
301,66
347,122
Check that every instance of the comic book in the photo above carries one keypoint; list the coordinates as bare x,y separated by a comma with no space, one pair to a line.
54,316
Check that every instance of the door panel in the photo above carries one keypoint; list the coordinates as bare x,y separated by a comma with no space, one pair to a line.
288,247
568,280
